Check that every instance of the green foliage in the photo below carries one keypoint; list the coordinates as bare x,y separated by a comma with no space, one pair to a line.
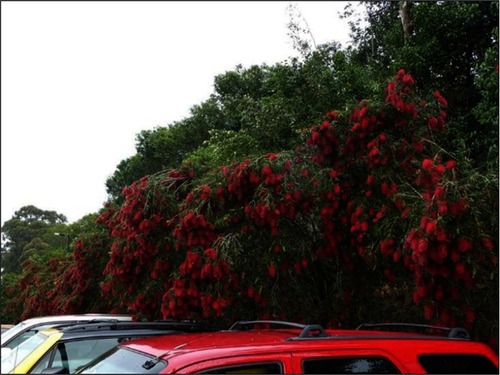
30,230
9,291
486,111
449,41
165,147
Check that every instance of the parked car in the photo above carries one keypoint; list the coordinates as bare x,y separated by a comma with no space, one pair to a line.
66,348
27,328
291,348
6,327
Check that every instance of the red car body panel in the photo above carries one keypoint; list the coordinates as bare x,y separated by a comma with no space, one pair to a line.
193,352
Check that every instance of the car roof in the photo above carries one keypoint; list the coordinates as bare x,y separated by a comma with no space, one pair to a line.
55,319
264,340
64,318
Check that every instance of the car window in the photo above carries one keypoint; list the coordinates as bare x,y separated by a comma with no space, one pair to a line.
457,364
254,368
19,353
76,354
350,365
123,361
42,363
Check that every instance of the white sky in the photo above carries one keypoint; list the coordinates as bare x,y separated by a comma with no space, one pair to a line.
80,79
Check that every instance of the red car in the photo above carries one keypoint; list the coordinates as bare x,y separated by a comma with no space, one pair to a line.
295,348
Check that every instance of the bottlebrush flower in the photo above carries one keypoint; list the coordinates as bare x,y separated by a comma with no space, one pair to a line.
427,164
488,243
450,164
439,98
272,271
430,228
464,245
266,170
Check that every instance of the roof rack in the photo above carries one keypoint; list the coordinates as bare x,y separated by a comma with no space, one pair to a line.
456,332
307,330
124,325
245,325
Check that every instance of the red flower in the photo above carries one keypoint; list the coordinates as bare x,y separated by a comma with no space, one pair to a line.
272,270
210,253
427,164
464,245
450,164
408,79
460,268
439,98
430,227
251,292
266,170
440,169
488,243
422,245
333,173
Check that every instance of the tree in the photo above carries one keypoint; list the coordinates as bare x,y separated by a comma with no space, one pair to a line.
448,42
370,209
28,224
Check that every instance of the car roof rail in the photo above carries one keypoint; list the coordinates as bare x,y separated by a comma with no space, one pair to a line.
307,330
124,325
245,325
456,332
85,322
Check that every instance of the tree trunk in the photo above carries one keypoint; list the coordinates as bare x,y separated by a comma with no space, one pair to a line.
404,12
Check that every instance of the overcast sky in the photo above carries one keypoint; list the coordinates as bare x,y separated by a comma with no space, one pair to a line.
79,80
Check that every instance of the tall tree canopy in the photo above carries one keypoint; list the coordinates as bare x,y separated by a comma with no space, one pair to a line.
25,231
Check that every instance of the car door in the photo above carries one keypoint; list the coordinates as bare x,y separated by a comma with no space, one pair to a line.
347,361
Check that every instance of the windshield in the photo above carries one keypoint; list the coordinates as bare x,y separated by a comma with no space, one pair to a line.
123,361
15,356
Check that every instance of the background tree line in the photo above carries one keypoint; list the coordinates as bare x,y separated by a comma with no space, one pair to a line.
268,110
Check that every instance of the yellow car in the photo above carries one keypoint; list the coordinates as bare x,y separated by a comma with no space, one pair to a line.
64,349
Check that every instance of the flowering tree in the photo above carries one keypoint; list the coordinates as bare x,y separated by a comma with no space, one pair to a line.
370,220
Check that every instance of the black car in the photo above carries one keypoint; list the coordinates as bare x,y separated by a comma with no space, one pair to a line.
64,349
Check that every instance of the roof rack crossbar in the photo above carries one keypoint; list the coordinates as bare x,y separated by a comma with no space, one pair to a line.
456,332
244,324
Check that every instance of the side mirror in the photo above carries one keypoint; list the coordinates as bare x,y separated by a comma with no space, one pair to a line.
54,370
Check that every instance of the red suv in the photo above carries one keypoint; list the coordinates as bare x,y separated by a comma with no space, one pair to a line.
254,347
